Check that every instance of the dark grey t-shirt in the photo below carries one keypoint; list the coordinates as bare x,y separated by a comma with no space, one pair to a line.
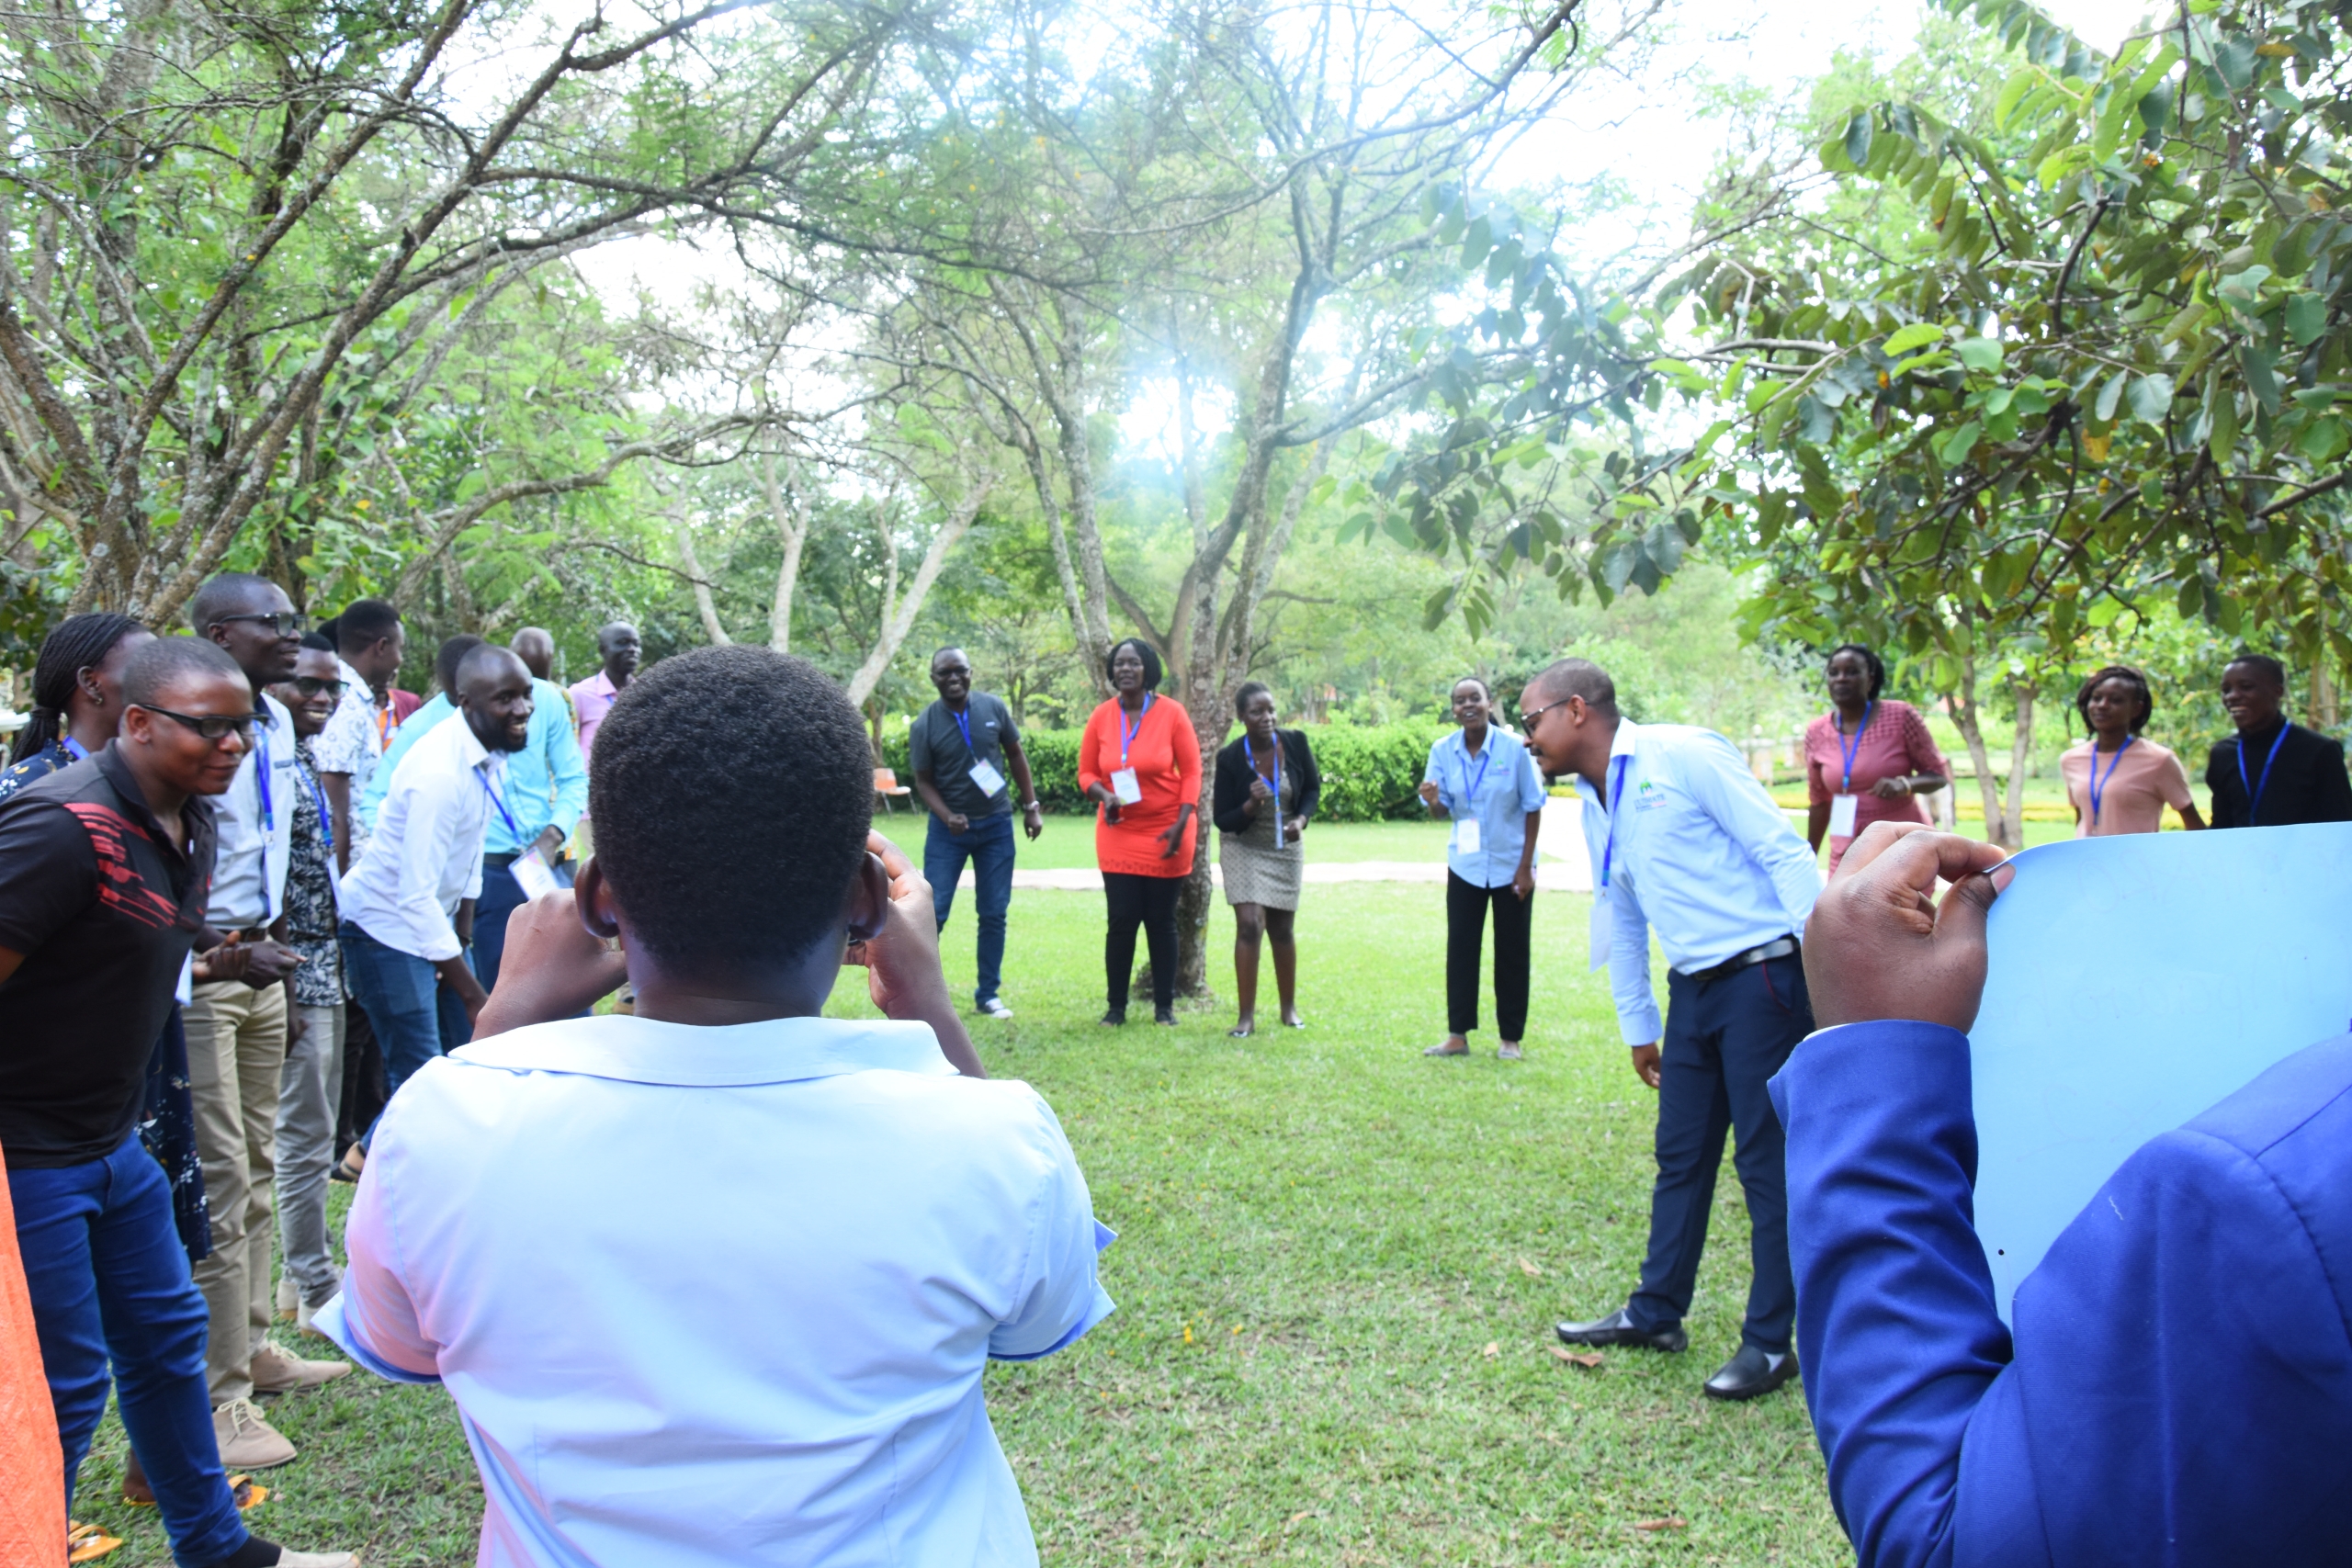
935,745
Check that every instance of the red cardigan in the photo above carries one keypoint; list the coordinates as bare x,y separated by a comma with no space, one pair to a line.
1166,757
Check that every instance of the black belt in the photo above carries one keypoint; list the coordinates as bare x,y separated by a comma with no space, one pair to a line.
503,858
1778,947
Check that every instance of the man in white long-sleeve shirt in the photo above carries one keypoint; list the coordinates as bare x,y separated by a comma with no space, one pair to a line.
408,903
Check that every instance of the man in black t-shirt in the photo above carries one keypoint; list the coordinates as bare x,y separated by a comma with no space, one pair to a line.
105,869
2272,773
960,748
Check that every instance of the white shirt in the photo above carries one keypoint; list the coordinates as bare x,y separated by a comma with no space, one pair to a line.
249,873
353,741
1700,853
711,1297
424,857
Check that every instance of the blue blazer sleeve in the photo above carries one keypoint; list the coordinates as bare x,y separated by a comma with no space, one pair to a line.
2179,1391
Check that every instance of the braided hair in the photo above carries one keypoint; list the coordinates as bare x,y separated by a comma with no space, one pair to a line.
77,643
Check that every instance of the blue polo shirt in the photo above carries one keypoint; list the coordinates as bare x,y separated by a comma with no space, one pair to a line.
1497,788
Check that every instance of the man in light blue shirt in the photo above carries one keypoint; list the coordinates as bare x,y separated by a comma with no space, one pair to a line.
1685,841
445,660
746,1264
1484,782
546,791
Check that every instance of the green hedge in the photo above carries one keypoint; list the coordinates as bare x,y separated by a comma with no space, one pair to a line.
1370,772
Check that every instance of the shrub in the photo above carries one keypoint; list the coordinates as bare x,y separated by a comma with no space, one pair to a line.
1370,772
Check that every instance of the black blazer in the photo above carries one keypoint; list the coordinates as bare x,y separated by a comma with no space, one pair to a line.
2307,783
1233,771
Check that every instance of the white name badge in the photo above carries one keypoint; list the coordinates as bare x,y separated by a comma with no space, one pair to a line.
532,872
1841,815
1466,835
1124,787
1599,924
985,778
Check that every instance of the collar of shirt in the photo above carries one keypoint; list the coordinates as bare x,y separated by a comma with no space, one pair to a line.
776,1050
196,812
249,874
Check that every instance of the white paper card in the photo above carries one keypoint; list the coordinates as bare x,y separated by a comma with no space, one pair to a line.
1466,835
1124,786
986,779
532,872
1841,815
1600,924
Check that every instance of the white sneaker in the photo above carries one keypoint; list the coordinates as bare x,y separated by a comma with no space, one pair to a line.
994,1007
290,1558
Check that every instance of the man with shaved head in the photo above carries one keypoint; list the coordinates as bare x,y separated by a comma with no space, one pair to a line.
1685,841
617,647
546,789
408,906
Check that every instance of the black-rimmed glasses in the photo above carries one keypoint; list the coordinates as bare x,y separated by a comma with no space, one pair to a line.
279,623
212,725
1527,720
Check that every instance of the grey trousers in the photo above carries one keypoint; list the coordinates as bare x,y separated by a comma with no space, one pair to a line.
310,1094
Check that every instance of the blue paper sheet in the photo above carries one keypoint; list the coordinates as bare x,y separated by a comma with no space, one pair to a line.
2134,981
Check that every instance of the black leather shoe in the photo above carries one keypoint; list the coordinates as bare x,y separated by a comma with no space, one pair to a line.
1752,1372
1618,1328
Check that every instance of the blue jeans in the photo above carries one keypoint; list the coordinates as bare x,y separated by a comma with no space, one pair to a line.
987,844
414,1016
501,896
109,1281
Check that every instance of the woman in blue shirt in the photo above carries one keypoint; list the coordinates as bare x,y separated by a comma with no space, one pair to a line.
1483,779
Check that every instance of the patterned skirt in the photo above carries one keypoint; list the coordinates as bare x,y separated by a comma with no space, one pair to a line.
1254,870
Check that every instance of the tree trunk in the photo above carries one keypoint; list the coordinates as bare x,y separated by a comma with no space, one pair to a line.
792,525
2021,757
704,605
898,621
1972,730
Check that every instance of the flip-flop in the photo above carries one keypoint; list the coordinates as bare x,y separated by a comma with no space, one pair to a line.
87,1543
1240,1031
248,1493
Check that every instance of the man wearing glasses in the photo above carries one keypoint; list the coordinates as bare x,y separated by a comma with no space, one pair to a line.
237,1027
1686,842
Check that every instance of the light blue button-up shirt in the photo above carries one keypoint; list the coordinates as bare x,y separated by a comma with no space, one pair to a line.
711,1297
547,781
1702,853
412,730
1504,794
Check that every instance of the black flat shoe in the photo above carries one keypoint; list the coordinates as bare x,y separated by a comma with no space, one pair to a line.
1618,1328
1116,1015
1752,1372
1240,1031
1167,1017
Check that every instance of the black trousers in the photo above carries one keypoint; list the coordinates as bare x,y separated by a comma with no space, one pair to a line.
1723,1042
1148,902
1466,931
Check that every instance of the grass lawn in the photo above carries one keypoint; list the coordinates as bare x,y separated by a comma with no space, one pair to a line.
1337,1271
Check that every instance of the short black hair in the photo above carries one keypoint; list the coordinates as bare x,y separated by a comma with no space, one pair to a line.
152,670
363,623
1870,661
1153,670
1567,678
951,647
1478,681
451,654
219,597
2263,663
732,789
2130,677
318,642
1250,689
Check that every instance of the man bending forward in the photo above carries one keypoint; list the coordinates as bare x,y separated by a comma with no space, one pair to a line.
746,1263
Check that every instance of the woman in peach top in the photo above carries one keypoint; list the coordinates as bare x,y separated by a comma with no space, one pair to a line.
1867,760
1140,763
2118,783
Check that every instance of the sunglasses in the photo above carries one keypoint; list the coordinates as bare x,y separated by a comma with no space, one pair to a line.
311,685
282,623
213,727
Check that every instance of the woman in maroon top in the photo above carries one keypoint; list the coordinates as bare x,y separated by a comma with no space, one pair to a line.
1867,760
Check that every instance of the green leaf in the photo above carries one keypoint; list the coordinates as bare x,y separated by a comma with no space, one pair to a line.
2223,441
1857,145
2234,56
1980,353
1954,449
2013,92
2260,378
2151,396
2110,396
1917,335
2306,318
2155,108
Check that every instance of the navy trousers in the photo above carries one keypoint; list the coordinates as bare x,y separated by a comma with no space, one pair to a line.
111,1291
501,896
1723,1042
987,844
414,1016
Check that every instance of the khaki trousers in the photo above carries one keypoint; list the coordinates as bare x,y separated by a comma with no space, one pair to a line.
236,1059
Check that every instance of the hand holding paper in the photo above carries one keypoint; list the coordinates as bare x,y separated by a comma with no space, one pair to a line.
1878,946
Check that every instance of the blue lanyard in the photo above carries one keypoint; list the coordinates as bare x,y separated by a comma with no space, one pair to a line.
1127,734
319,798
1616,808
964,723
512,832
1469,785
1850,752
261,775
2253,791
1252,758
2099,791
75,749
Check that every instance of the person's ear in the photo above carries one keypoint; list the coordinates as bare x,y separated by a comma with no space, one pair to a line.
870,899
593,899
135,724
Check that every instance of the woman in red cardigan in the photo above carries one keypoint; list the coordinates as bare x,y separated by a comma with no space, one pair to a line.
1141,764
